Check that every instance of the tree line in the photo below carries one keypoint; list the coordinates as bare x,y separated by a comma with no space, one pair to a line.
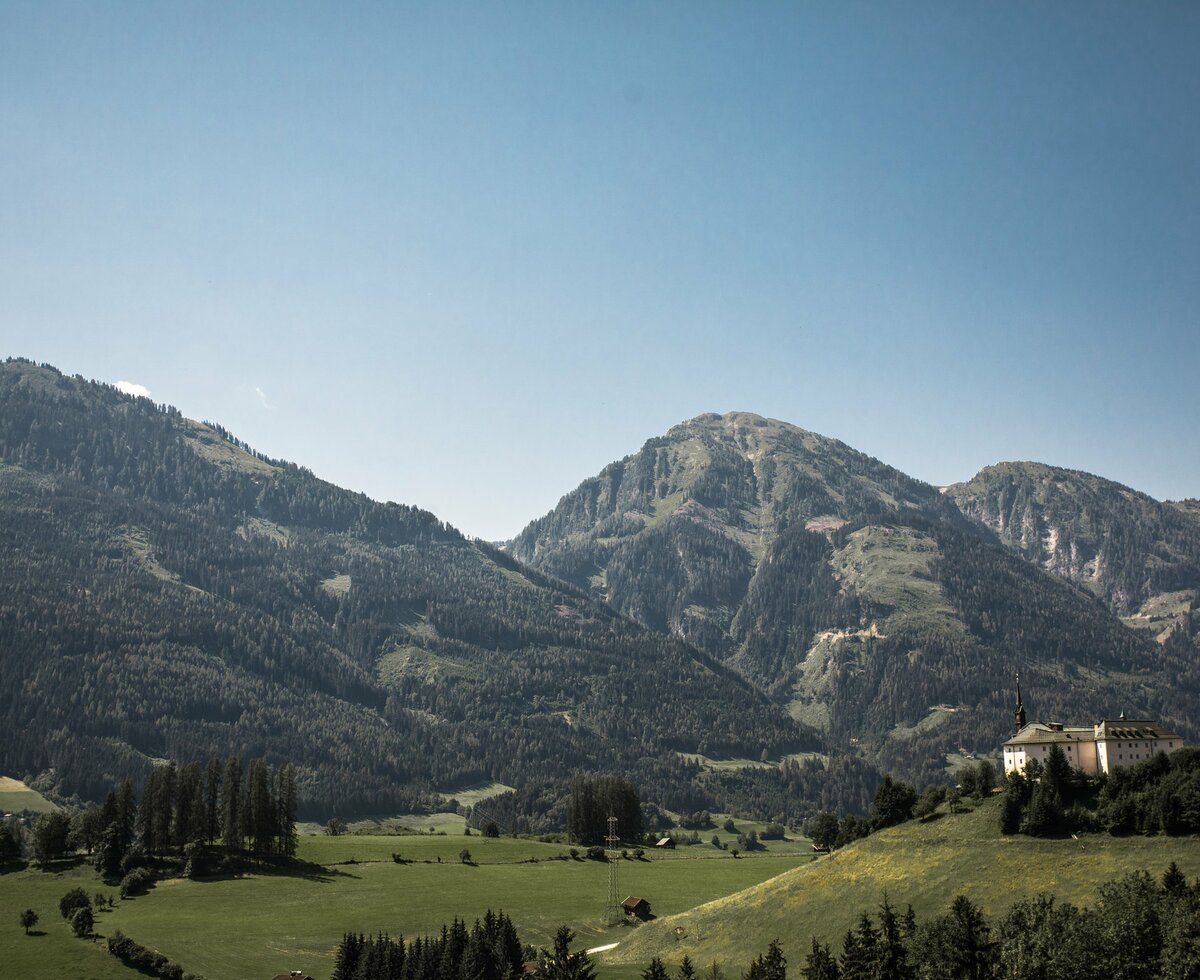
180,808
1159,795
489,950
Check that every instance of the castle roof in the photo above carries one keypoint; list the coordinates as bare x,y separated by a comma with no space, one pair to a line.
1037,733
1132,728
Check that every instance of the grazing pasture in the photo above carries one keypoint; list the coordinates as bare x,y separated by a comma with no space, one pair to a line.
239,927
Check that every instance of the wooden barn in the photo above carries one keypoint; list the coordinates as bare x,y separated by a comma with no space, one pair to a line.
636,906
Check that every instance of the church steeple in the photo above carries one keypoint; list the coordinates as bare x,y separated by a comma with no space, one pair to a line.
1019,713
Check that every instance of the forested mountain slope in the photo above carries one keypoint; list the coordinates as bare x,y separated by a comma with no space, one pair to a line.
860,597
1139,555
165,592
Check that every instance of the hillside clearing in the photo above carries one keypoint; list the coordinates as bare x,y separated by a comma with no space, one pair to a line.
15,796
926,865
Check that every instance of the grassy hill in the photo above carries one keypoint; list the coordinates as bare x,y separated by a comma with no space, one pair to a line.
265,924
925,864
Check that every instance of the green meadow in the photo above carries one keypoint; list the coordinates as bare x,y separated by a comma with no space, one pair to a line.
707,904
260,925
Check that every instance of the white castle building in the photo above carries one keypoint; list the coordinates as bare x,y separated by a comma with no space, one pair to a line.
1102,747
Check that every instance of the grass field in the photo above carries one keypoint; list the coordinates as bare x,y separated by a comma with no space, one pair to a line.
16,796
709,905
926,865
52,950
239,928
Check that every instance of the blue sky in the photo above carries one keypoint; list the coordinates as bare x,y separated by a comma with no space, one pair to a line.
462,256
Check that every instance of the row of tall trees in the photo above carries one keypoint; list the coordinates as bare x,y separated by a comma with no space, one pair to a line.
244,808
489,950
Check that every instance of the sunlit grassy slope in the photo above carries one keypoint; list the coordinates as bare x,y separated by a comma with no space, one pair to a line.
15,796
923,864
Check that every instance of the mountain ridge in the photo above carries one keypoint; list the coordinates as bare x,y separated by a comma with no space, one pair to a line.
862,598
170,593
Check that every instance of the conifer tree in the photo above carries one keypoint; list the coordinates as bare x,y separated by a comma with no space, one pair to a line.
820,963
655,971
231,805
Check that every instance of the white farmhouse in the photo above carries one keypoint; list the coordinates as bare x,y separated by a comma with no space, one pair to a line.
1102,747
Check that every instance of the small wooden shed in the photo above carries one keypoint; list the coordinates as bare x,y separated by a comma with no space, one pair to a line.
636,905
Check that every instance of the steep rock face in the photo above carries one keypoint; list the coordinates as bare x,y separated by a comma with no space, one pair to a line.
1140,556
167,592
861,598
1123,545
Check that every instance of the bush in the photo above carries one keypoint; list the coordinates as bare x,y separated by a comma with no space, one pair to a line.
140,958
596,854
773,831
491,829
198,862
933,796
82,921
136,882
72,901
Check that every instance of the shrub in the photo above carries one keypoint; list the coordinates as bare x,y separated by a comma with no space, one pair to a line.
773,831
72,901
82,921
140,958
136,882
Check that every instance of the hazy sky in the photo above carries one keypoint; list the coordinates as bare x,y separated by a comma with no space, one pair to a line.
462,256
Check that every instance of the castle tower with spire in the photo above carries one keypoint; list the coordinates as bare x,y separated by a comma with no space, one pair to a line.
1019,713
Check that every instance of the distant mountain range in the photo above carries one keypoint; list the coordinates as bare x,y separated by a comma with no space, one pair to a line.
885,612
740,615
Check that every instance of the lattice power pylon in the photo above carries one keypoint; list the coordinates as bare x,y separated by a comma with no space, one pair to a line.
612,910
